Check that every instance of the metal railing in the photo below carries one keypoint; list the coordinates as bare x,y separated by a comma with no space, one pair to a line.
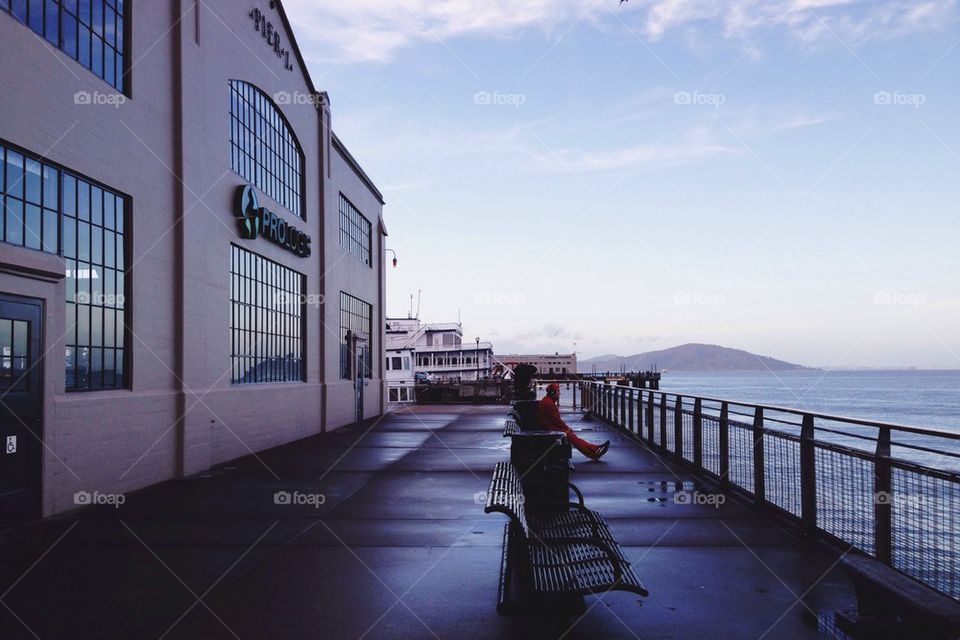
888,490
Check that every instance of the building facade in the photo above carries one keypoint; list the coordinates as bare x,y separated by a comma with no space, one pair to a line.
546,364
436,351
191,262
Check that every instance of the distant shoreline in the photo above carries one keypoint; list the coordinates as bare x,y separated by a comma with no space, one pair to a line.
826,369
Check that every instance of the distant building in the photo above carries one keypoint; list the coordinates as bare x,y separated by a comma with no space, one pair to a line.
432,350
556,364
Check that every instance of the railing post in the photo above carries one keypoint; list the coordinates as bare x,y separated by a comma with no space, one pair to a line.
573,393
678,427
614,404
698,434
630,404
623,408
663,421
808,477
650,420
759,487
724,437
883,498
617,413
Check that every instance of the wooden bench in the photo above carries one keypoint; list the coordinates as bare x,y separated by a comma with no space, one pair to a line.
893,605
551,556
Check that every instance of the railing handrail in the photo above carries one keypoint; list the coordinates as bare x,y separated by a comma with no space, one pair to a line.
865,422
900,511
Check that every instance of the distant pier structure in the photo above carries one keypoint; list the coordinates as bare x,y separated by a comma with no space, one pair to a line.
636,379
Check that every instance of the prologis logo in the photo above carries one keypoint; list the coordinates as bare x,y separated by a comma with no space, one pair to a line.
256,221
248,208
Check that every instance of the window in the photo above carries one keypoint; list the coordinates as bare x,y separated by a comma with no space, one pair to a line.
354,231
51,209
263,148
89,31
396,364
31,201
406,364
356,317
266,320
14,355
394,394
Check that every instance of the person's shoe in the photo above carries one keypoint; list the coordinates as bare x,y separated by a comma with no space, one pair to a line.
602,449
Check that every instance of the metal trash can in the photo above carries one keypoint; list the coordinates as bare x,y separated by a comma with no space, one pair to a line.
543,460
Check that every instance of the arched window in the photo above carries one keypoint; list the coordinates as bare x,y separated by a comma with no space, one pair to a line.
263,148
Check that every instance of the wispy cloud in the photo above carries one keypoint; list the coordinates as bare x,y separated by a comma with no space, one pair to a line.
626,136
646,155
805,20
376,30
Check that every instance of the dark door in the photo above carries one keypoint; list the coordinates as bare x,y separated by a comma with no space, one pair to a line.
359,373
21,378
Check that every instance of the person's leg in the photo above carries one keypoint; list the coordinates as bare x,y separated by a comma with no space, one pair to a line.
586,448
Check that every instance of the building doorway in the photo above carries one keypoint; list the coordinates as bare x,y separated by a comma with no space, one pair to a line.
21,382
357,346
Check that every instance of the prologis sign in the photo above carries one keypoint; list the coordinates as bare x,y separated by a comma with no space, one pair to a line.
256,221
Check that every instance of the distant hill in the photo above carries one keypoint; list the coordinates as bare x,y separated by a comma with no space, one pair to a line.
688,357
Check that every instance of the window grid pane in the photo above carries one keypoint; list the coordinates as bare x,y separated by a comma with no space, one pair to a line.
266,320
40,211
263,149
354,231
356,316
92,38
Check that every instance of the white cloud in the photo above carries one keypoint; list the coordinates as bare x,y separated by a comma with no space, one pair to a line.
376,30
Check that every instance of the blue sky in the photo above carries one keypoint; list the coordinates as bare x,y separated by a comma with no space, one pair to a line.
779,176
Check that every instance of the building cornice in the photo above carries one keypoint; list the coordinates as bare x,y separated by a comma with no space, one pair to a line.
357,169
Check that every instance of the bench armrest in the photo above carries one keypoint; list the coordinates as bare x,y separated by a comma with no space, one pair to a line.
594,542
576,491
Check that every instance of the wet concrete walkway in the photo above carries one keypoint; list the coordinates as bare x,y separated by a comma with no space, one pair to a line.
389,541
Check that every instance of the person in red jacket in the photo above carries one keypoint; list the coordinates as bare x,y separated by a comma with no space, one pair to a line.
548,415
